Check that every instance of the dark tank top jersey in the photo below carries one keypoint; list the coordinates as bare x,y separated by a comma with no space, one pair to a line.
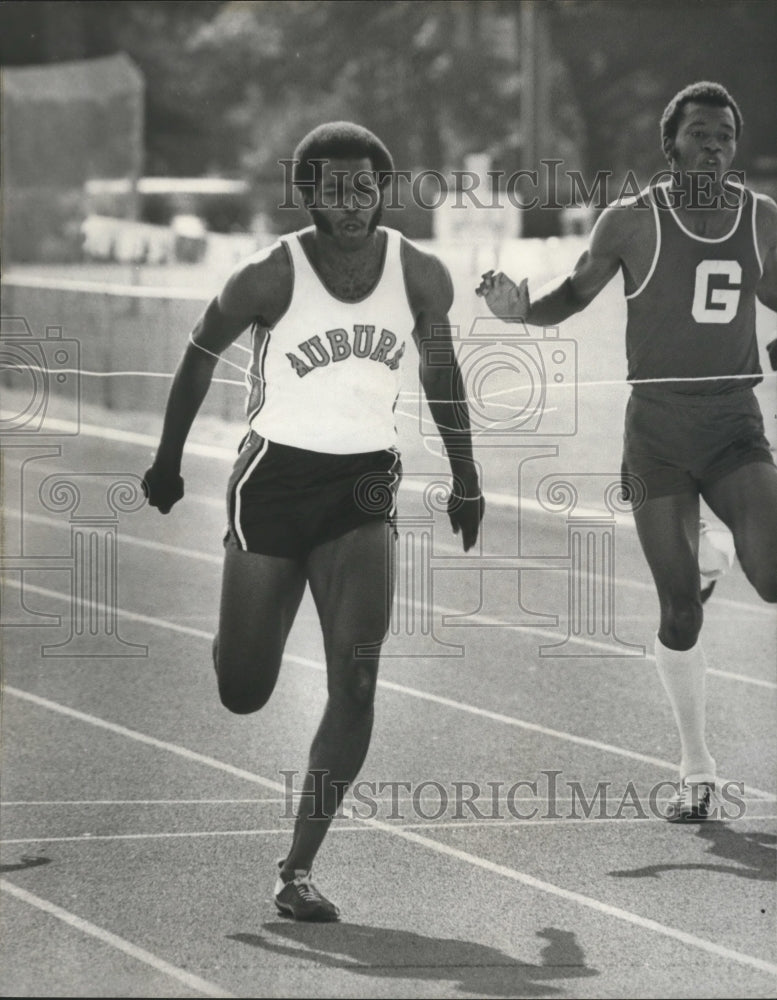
694,314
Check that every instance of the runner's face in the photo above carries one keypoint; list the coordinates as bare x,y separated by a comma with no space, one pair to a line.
348,201
705,140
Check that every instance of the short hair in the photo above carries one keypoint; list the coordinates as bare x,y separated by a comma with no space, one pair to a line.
703,92
340,141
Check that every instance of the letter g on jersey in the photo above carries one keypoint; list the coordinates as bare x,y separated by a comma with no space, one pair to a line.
716,300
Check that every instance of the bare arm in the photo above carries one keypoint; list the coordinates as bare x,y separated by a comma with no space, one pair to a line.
430,293
565,296
258,290
213,333
766,289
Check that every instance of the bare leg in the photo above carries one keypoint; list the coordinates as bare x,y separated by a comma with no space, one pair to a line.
746,501
352,582
668,529
260,596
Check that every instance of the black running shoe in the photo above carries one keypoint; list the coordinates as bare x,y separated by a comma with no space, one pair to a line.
694,803
300,899
706,592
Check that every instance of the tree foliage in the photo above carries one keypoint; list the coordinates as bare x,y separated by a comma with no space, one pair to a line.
232,86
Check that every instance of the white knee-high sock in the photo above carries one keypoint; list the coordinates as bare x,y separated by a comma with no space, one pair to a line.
682,673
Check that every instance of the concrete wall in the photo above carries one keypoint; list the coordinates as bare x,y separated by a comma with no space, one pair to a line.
117,329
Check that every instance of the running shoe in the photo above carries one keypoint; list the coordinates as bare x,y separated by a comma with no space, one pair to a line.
693,803
716,555
300,899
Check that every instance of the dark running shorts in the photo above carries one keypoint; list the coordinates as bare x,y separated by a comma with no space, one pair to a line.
284,501
679,444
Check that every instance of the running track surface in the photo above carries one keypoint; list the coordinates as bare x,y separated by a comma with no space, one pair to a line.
141,821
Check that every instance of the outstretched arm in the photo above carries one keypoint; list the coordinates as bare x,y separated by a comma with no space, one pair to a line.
213,332
254,292
430,293
766,290
565,296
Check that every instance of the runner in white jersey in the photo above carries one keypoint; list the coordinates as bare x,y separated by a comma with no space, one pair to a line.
694,258
311,498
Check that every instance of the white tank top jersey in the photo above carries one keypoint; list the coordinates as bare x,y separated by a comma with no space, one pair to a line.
326,377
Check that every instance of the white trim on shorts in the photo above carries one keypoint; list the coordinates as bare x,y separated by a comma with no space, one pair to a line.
239,485
395,483
755,234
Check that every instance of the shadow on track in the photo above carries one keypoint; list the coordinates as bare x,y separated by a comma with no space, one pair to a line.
381,951
755,853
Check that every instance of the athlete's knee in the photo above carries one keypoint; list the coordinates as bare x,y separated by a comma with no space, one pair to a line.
681,622
765,583
759,561
357,687
239,690
240,698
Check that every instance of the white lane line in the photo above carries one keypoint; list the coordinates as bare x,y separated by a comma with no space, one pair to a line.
381,796
741,607
391,686
230,454
523,505
193,294
141,543
497,499
526,824
130,437
107,937
633,660
484,824
131,616
473,620
147,802
511,720
133,734
87,838
645,923
424,841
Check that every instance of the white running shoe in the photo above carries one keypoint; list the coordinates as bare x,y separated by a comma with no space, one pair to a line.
716,555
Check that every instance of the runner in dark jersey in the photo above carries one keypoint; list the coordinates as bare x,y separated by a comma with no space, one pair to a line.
311,497
695,254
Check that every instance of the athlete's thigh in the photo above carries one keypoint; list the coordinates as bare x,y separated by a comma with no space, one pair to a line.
746,501
260,595
668,529
352,582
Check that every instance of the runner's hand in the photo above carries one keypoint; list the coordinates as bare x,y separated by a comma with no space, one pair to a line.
466,513
162,490
504,298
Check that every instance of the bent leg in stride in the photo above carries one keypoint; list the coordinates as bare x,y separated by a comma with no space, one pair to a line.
260,596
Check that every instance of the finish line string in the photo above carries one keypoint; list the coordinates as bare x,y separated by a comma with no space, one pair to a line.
247,374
